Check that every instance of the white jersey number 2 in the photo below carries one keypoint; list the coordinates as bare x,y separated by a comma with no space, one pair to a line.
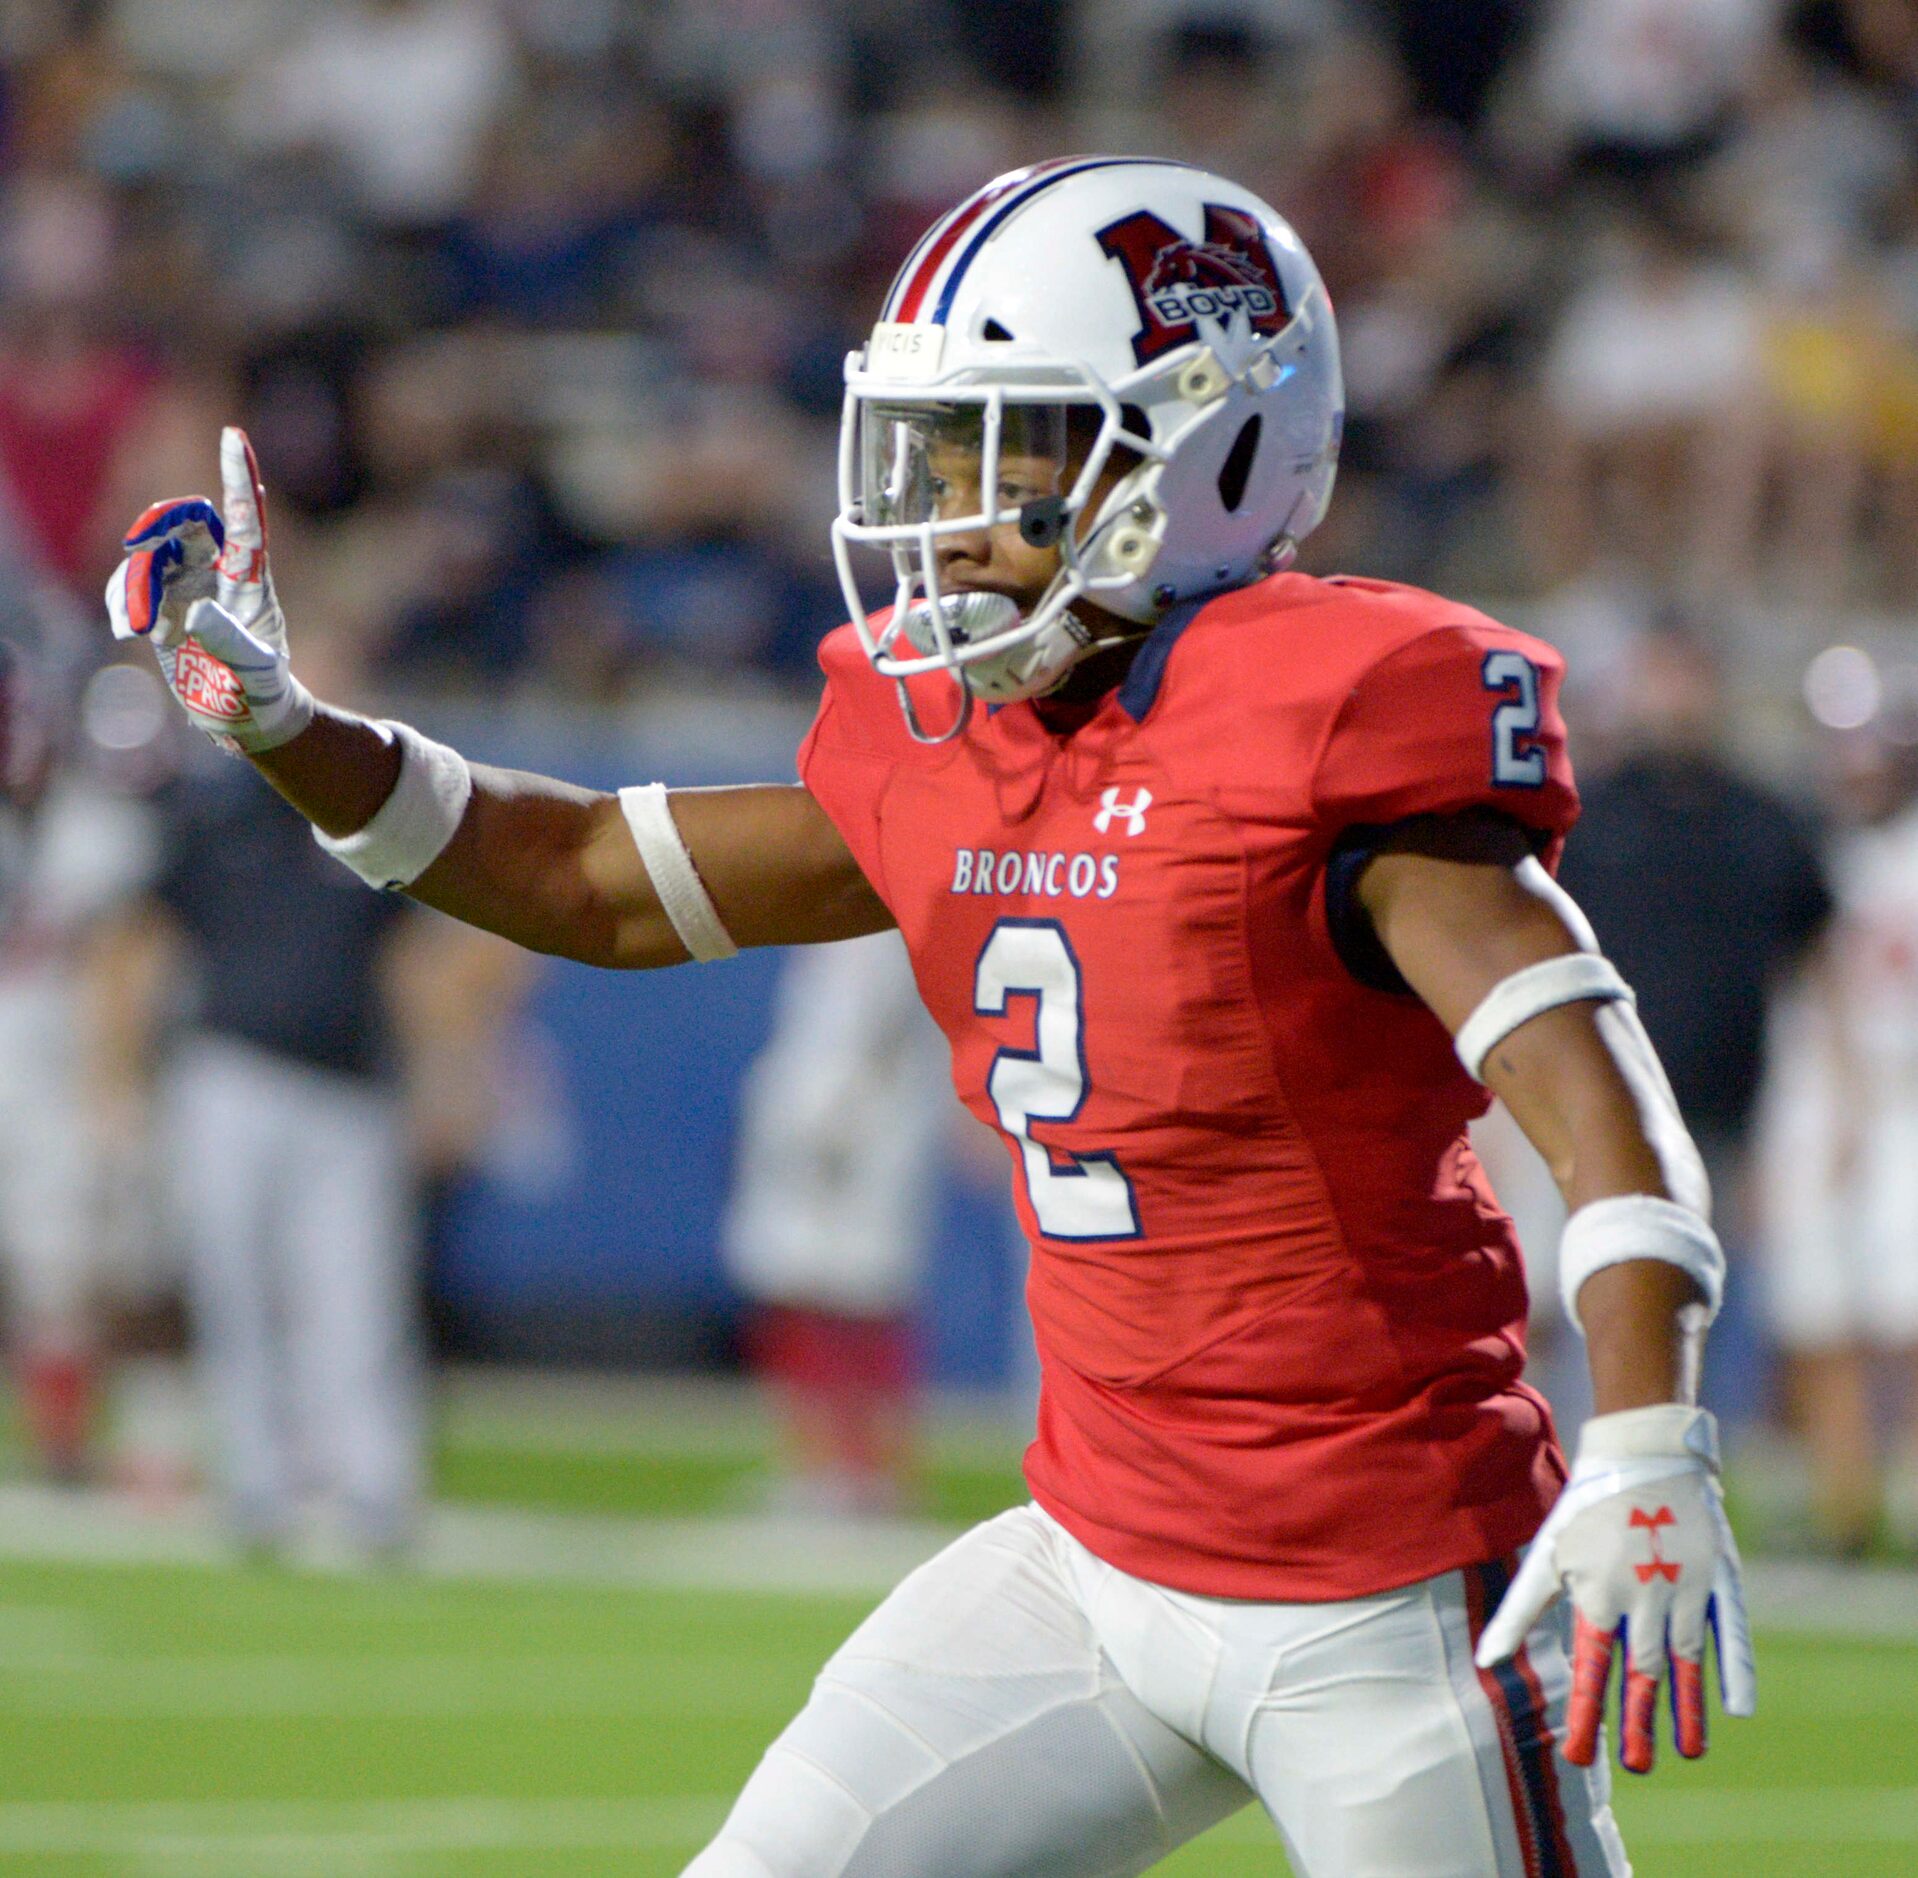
1517,760
1074,1196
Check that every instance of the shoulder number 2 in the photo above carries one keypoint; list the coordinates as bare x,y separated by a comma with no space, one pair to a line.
1517,761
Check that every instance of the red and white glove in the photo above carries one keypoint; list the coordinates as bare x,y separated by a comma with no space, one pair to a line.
1640,1542
196,585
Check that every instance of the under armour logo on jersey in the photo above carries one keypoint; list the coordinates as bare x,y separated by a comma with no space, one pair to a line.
1659,1566
1132,813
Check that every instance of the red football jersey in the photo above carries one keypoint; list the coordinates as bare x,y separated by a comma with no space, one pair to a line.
1280,1316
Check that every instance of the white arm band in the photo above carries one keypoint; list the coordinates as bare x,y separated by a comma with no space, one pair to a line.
675,879
416,821
1638,1226
1526,993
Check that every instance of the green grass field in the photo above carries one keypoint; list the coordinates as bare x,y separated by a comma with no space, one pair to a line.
262,1722
162,1720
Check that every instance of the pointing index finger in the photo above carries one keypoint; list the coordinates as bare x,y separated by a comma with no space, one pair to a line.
241,496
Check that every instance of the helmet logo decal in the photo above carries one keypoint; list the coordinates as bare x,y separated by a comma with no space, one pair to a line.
1179,283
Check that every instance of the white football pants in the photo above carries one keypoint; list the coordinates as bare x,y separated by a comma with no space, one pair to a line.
292,1195
1019,1709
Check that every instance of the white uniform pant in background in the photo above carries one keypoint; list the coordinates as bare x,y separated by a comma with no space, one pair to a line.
840,1125
1020,1709
49,1216
295,1206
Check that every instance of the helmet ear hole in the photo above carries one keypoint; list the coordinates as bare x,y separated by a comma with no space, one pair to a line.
1236,471
996,333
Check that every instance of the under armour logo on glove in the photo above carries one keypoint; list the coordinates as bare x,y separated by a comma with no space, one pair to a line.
1658,1468
1132,813
1659,1566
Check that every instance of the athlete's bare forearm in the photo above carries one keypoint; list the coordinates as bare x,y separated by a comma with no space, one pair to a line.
1642,1342
1456,927
521,862
336,772
554,867
1564,1089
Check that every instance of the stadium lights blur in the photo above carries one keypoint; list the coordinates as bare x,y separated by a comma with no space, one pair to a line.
1842,688
123,708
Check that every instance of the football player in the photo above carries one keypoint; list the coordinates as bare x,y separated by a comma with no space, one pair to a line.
1231,890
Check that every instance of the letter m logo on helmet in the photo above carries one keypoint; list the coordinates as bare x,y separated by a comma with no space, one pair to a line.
1178,282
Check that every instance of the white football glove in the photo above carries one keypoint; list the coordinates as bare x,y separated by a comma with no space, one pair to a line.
1640,1542
196,584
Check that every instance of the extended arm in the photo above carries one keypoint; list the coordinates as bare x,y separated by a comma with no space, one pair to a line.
1639,1537
610,881
556,868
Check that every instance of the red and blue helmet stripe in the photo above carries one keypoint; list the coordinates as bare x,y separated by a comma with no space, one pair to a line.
978,217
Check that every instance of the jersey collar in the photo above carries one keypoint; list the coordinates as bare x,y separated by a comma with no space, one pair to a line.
1139,689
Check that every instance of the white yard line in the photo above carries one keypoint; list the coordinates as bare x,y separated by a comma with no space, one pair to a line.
622,1685
747,1553
362,1828
760,1553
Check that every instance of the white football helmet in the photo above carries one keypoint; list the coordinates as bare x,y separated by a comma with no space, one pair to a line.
1184,320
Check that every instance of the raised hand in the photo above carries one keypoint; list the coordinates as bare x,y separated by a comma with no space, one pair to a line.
196,585
1640,1543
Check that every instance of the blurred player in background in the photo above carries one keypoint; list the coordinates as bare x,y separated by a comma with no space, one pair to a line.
1707,887
1838,1156
71,852
1705,884
250,1002
1232,903
840,1129
300,1253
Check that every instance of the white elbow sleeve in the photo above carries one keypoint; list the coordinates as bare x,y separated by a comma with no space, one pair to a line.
416,821
682,894
1639,1226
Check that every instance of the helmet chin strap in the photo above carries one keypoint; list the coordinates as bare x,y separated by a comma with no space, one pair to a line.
961,718
1091,648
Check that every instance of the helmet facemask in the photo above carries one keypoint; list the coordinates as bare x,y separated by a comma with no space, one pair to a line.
1165,312
918,470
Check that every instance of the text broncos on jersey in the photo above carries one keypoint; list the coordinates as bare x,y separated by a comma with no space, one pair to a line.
1022,870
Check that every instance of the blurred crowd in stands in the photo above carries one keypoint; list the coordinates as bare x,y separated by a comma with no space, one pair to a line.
536,309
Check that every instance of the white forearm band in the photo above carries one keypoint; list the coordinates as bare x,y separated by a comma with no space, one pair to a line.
1529,992
1638,1226
416,821
675,879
